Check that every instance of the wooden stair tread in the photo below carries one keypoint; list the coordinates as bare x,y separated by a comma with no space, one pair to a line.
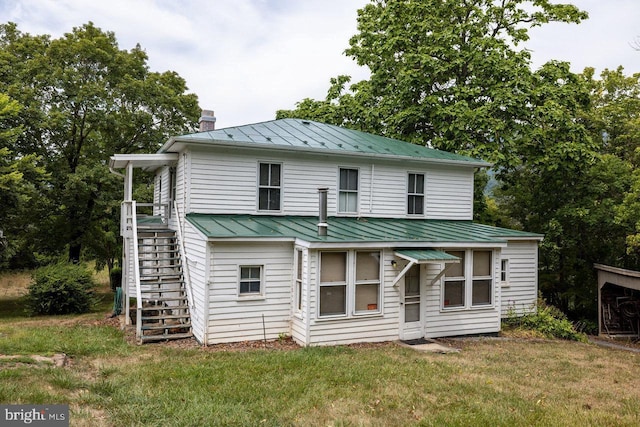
156,327
169,316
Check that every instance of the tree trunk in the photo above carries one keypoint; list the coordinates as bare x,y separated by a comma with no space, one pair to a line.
74,253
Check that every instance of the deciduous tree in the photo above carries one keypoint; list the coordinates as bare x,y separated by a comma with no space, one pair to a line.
84,100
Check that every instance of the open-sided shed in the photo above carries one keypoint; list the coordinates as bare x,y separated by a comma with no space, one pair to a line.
618,301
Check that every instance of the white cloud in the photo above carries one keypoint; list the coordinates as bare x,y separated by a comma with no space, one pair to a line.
602,41
248,58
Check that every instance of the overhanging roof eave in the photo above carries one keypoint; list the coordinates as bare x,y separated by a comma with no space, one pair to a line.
120,161
208,142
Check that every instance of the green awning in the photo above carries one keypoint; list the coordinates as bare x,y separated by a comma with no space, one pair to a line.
424,256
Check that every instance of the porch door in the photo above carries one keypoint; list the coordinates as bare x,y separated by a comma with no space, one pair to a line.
411,313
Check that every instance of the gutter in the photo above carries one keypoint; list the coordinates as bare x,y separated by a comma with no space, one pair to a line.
116,172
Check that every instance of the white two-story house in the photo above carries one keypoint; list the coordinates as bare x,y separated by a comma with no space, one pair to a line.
326,234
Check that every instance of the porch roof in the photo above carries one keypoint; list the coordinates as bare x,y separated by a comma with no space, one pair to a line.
120,161
353,230
426,255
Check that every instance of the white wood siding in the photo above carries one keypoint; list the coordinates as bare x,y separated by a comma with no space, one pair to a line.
522,290
157,188
195,246
234,318
300,319
354,329
222,183
441,322
449,193
390,195
225,182
161,190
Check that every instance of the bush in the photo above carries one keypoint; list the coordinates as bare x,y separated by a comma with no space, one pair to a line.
548,321
61,289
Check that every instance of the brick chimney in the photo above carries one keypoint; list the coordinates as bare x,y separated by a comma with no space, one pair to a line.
207,121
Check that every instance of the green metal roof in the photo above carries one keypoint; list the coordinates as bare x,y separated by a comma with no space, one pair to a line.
426,255
306,135
352,230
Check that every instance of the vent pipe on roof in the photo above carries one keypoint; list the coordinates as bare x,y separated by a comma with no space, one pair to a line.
322,217
207,121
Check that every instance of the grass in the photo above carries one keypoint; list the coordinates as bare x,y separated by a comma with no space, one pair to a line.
490,382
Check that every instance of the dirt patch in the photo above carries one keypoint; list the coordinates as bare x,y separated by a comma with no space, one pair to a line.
14,284
58,360
284,344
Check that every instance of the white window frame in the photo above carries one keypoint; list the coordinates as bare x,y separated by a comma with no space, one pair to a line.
348,192
269,186
298,281
357,283
322,284
468,282
504,272
489,277
260,293
462,279
351,284
412,193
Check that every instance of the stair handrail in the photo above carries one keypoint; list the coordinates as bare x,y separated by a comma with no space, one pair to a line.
136,270
185,265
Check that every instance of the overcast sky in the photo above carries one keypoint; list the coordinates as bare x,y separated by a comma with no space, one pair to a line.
245,59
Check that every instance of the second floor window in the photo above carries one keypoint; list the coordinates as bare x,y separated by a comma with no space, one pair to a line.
348,191
415,194
269,186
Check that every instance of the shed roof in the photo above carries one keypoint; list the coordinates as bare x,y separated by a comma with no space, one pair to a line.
426,255
354,230
310,136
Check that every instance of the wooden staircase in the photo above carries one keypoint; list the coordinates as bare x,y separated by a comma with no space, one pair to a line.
165,308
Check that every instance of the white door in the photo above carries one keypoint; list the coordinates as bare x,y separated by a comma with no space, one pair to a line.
411,313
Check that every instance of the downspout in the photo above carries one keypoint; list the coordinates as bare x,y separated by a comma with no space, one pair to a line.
373,172
115,172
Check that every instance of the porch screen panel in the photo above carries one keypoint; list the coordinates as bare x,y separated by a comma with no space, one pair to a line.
412,295
333,283
482,278
454,288
367,281
333,267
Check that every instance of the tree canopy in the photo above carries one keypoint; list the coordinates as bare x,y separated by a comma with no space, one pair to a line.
84,99
454,75
443,73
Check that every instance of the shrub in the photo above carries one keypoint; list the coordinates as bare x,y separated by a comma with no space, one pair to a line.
547,320
61,289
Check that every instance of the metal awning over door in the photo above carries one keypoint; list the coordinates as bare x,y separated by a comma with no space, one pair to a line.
424,256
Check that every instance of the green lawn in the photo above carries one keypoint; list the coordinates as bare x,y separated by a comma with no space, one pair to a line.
490,382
